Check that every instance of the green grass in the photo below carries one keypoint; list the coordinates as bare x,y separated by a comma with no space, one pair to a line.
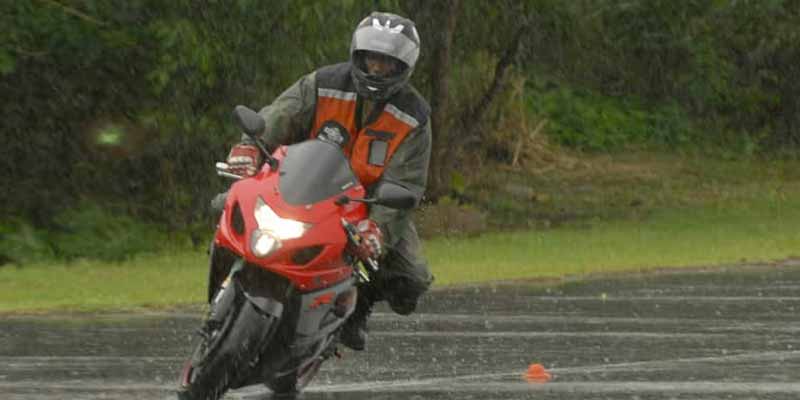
150,281
728,232
716,235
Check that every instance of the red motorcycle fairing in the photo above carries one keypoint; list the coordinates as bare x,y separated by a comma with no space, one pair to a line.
317,310
324,242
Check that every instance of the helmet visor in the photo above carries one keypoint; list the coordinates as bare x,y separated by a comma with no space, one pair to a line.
378,65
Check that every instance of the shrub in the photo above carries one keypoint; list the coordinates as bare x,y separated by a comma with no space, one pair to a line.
90,231
20,242
587,120
448,218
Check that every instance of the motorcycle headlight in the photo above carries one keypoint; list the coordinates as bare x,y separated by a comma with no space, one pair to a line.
262,243
277,227
272,229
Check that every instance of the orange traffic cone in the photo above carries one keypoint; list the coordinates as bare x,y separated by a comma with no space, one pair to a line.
537,374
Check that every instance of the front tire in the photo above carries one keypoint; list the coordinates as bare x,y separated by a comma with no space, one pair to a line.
224,357
294,382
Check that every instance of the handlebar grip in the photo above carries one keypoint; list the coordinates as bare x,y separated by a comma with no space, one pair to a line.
228,175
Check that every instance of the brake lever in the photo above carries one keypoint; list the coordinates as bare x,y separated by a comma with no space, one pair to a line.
353,236
372,264
222,171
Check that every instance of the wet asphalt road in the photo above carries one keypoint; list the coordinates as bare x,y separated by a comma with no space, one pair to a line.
727,334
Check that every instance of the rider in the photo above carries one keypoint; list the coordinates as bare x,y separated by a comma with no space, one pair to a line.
367,107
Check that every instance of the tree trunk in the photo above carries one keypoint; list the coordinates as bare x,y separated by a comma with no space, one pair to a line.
472,116
437,22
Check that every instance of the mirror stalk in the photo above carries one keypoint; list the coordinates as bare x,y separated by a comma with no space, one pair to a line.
268,158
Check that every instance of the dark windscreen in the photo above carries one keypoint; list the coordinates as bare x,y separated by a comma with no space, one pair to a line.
313,171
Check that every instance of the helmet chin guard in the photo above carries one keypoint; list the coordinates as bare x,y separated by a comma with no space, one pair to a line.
388,34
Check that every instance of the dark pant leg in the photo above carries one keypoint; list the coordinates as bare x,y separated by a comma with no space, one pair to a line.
404,275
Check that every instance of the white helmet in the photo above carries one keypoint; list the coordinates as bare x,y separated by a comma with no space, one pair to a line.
390,35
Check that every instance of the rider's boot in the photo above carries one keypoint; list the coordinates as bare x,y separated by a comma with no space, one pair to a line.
354,331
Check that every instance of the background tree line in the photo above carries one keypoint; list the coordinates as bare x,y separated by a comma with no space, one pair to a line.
114,112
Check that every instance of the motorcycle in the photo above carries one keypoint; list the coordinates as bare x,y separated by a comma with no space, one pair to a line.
281,279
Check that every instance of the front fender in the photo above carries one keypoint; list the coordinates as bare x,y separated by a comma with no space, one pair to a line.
266,305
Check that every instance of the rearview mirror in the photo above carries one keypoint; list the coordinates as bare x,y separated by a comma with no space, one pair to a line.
251,123
395,196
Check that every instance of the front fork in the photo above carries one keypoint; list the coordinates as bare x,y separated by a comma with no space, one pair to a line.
222,302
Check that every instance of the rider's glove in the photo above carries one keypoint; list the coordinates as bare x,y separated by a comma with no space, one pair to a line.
244,160
371,243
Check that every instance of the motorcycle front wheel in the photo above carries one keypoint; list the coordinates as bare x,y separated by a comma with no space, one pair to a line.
224,356
294,382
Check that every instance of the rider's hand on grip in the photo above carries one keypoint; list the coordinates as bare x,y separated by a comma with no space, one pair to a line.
244,160
371,244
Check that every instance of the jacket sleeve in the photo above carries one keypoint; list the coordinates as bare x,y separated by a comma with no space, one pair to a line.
290,116
408,167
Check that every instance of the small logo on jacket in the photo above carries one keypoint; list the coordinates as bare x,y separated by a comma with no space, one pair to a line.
334,133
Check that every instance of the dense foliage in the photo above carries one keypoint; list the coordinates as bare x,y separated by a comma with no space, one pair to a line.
114,112
730,65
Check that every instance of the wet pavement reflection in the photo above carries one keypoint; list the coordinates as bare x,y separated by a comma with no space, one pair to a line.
724,334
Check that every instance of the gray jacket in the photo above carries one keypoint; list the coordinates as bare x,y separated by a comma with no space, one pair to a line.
289,120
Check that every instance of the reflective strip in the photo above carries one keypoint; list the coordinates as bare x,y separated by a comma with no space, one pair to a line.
409,120
336,94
